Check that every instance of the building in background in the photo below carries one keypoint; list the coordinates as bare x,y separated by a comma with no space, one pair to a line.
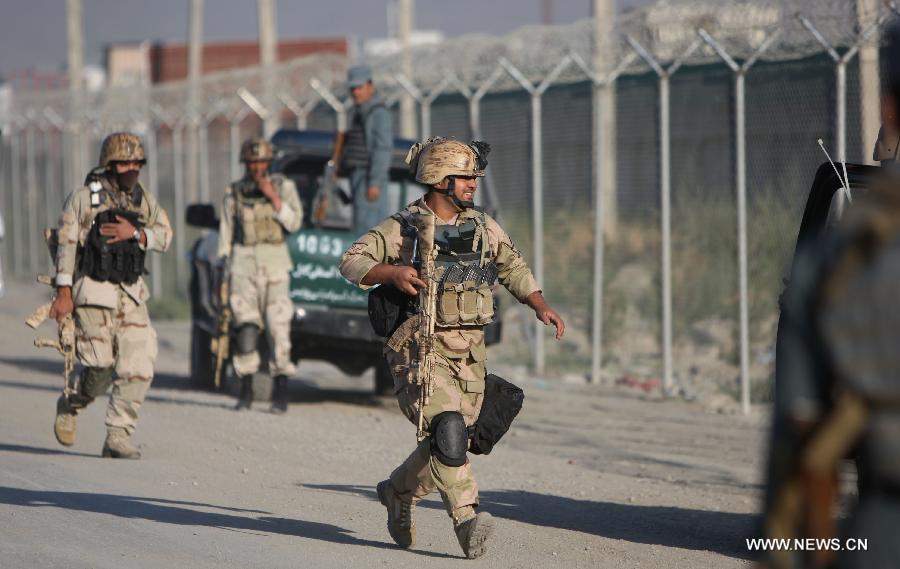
169,62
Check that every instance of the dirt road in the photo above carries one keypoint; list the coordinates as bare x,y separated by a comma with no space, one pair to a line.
588,477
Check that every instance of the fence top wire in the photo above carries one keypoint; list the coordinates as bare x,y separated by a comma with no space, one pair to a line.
665,29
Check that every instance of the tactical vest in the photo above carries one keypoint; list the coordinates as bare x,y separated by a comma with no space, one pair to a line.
255,219
464,272
356,152
121,262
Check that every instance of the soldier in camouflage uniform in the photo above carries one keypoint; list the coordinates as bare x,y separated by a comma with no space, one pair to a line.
467,239
258,212
105,226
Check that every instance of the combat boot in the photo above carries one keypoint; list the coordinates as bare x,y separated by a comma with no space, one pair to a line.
117,445
64,425
400,515
473,532
245,399
280,395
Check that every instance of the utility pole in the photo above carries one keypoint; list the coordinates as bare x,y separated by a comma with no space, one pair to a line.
268,44
407,104
77,157
547,9
604,164
605,53
869,80
195,70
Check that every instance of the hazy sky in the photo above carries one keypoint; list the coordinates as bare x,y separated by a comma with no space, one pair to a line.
33,32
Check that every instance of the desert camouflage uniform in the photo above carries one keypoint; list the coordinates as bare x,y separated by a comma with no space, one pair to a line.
459,380
260,271
114,339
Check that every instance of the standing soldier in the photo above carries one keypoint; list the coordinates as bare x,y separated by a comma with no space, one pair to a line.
105,230
367,147
258,212
470,251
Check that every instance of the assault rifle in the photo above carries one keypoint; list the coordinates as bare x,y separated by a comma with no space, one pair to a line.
221,343
65,342
424,253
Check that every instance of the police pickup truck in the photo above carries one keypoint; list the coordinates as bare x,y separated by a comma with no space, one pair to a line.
330,320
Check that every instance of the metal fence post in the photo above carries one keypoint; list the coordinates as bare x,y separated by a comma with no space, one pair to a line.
425,101
841,62
301,112
537,180
600,141
32,201
740,143
475,125
5,190
153,173
234,141
665,191
178,174
339,108
56,190
15,216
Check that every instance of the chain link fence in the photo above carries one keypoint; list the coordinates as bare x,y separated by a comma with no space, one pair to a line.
704,167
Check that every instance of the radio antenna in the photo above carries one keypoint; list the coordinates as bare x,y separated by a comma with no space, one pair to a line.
845,180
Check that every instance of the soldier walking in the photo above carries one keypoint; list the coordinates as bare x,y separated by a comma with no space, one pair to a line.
258,212
471,251
105,230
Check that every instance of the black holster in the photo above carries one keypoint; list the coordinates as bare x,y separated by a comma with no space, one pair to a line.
502,402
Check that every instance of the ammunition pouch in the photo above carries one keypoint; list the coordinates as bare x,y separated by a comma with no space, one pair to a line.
502,402
121,262
464,294
389,307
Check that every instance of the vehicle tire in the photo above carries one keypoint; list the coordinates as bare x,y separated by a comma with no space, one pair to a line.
202,359
384,381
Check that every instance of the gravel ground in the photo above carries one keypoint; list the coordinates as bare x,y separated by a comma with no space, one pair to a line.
588,476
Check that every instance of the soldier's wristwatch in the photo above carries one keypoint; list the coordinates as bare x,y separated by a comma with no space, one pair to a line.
136,235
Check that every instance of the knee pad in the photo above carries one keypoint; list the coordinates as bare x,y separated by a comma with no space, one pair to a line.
245,340
95,381
449,438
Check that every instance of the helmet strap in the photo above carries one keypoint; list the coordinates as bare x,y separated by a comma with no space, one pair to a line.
450,192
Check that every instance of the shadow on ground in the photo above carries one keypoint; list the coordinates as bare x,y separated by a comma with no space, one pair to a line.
701,530
302,391
6,447
187,514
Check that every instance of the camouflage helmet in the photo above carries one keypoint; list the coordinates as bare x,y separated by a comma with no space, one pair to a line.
122,147
440,157
256,149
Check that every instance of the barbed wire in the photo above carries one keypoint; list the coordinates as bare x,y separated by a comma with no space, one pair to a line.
667,30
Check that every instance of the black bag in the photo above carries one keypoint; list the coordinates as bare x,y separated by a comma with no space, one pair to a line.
388,309
502,402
